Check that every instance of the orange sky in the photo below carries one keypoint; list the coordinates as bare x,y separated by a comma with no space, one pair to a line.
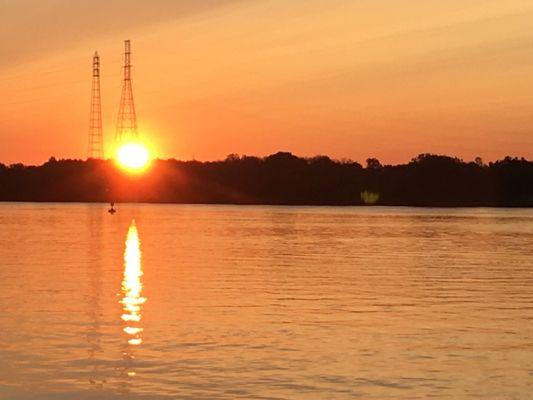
346,78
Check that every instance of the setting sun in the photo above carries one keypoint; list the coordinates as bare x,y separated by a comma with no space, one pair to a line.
133,156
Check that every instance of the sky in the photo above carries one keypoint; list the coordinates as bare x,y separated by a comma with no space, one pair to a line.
346,78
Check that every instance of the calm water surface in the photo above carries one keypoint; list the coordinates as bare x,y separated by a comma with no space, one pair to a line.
222,302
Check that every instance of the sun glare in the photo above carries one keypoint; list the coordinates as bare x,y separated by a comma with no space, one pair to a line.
133,156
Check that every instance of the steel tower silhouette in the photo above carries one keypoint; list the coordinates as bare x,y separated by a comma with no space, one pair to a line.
96,142
127,120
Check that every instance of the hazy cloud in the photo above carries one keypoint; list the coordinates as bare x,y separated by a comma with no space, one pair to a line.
29,28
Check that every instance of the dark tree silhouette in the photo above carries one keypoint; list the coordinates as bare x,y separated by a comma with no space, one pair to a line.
373,163
281,178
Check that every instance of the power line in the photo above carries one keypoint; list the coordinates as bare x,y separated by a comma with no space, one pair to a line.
96,142
127,119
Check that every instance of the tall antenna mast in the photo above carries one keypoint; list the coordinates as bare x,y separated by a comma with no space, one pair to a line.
96,142
127,120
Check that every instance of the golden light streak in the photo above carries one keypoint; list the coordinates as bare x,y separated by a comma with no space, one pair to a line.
132,299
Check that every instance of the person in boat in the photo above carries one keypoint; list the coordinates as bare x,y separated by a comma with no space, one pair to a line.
112,209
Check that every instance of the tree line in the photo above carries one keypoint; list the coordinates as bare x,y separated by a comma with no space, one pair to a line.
281,178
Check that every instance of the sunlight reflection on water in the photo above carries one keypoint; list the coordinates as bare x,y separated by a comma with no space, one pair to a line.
264,302
132,286
132,301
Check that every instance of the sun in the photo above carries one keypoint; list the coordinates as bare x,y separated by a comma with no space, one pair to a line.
133,157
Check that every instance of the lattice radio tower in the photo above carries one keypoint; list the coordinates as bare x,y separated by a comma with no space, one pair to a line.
127,120
96,142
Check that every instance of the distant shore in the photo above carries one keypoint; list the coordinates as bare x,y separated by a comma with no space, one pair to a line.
279,179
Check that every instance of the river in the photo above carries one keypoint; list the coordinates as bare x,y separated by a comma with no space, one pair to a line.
226,302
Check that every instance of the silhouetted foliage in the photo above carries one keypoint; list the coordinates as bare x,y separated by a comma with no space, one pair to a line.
281,178
373,163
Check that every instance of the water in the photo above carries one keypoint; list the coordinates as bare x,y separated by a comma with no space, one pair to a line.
222,302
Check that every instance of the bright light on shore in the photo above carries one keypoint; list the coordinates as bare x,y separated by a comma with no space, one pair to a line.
133,156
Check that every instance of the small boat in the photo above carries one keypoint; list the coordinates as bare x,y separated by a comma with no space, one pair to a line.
112,208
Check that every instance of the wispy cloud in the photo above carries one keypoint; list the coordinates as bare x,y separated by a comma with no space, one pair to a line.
29,28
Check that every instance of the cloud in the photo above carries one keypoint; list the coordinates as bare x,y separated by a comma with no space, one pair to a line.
31,28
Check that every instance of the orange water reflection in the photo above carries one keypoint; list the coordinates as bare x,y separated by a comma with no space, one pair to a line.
132,299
